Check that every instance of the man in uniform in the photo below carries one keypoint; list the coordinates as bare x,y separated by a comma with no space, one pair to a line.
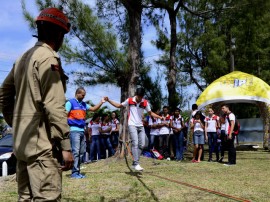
32,99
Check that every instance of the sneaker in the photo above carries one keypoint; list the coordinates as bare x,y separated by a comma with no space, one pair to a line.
210,160
220,159
137,167
82,176
229,164
76,176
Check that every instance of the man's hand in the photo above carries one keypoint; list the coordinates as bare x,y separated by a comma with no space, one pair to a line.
68,160
103,100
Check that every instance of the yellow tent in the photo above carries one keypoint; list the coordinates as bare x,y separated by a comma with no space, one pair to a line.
239,87
235,87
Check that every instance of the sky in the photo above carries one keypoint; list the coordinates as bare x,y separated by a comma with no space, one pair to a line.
16,38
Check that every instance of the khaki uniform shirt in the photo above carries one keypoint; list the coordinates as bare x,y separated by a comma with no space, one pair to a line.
32,99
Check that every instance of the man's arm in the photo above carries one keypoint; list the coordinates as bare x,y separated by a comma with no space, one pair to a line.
7,97
155,115
53,100
113,103
96,107
231,129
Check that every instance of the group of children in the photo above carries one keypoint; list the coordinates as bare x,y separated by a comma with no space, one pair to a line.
102,135
167,136
218,131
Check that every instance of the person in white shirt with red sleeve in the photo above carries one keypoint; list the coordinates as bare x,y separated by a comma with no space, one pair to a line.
153,123
229,126
164,132
115,130
177,125
211,125
136,106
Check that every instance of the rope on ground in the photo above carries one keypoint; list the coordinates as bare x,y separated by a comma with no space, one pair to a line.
200,188
126,148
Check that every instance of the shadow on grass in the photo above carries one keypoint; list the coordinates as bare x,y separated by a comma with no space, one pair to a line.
102,199
138,175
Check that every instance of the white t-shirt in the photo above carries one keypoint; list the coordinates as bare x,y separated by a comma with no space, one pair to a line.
222,126
153,121
197,126
136,110
177,122
211,123
105,126
164,130
114,123
94,126
227,125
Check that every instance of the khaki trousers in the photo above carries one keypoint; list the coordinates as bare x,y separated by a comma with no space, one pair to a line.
40,180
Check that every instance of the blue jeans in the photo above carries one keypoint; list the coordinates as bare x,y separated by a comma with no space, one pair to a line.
106,144
137,136
115,137
212,143
153,141
179,145
95,148
78,149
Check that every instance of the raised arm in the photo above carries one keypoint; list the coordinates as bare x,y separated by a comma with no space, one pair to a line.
113,103
96,107
155,115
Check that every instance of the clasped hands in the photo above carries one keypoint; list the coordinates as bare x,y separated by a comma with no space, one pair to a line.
104,99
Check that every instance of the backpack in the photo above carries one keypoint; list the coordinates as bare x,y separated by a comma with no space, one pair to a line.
147,154
156,154
236,128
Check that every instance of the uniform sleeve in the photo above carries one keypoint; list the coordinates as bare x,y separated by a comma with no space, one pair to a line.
148,108
53,98
7,97
125,103
232,117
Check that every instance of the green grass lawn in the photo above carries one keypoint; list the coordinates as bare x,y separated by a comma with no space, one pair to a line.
113,180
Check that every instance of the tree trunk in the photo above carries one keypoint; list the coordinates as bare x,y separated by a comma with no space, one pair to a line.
134,9
123,130
265,114
173,99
